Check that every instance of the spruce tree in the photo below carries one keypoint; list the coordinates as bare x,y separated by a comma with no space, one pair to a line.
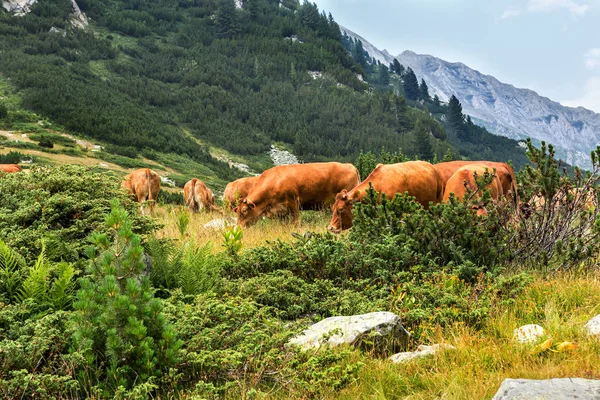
423,141
436,100
411,85
226,19
424,91
120,330
397,67
456,119
384,75
359,54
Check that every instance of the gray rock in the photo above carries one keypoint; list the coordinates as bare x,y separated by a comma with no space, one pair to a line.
528,333
220,223
549,389
381,328
282,157
593,326
422,351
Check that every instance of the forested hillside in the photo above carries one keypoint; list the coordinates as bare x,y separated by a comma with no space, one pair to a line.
163,76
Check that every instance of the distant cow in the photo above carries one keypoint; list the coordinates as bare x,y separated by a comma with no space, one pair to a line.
579,196
464,179
237,190
198,197
9,168
418,178
284,189
507,179
144,185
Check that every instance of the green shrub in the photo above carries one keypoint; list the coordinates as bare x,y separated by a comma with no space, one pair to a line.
33,353
120,330
13,157
3,110
61,206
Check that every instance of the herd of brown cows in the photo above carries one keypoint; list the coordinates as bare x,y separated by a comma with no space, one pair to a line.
285,190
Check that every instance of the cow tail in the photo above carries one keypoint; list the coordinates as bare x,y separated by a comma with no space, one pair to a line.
191,200
148,183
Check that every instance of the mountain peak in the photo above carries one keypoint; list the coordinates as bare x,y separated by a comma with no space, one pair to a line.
504,109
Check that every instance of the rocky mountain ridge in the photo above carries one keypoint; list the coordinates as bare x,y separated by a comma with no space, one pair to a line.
502,108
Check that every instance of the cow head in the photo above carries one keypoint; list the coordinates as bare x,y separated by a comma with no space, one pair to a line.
342,212
247,214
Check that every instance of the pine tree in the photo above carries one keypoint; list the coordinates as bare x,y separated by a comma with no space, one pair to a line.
119,328
424,91
411,85
397,67
436,100
359,54
456,119
384,75
226,19
423,141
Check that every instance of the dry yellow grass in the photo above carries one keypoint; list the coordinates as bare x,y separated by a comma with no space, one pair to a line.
265,230
483,359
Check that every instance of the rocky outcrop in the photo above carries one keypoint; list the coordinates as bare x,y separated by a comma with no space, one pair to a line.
282,157
528,333
22,7
555,389
18,7
422,351
381,328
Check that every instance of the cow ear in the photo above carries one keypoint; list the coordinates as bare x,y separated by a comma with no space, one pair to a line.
235,210
250,203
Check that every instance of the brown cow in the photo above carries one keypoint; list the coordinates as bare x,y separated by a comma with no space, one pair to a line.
144,185
504,171
581,196
418,178
238,190
9,168
463,179
197,196
284,189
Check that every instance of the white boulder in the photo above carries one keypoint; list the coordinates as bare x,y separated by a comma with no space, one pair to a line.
335,331
528,333
555,389
422,351
593,326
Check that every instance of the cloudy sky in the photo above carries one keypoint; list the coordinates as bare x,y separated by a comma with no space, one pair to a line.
550,46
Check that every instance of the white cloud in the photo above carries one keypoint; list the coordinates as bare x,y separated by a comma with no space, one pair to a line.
574,7
590,98
592,58
511,12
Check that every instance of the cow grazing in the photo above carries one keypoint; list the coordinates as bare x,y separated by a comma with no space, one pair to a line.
198,197
143,184
418,178
9,168
464,179
504,171
237,190
284,189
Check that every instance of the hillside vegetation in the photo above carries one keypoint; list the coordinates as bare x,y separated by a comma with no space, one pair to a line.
178,81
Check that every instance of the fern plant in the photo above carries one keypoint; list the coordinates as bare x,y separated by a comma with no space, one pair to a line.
12,269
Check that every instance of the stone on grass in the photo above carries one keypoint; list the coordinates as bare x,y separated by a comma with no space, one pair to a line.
422,351
220,223
593,326
548,389
529,333
378,328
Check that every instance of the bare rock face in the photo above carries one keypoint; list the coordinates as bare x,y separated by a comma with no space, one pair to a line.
377,327
23,7
529,333
282,157
555,389
18,7
593,326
